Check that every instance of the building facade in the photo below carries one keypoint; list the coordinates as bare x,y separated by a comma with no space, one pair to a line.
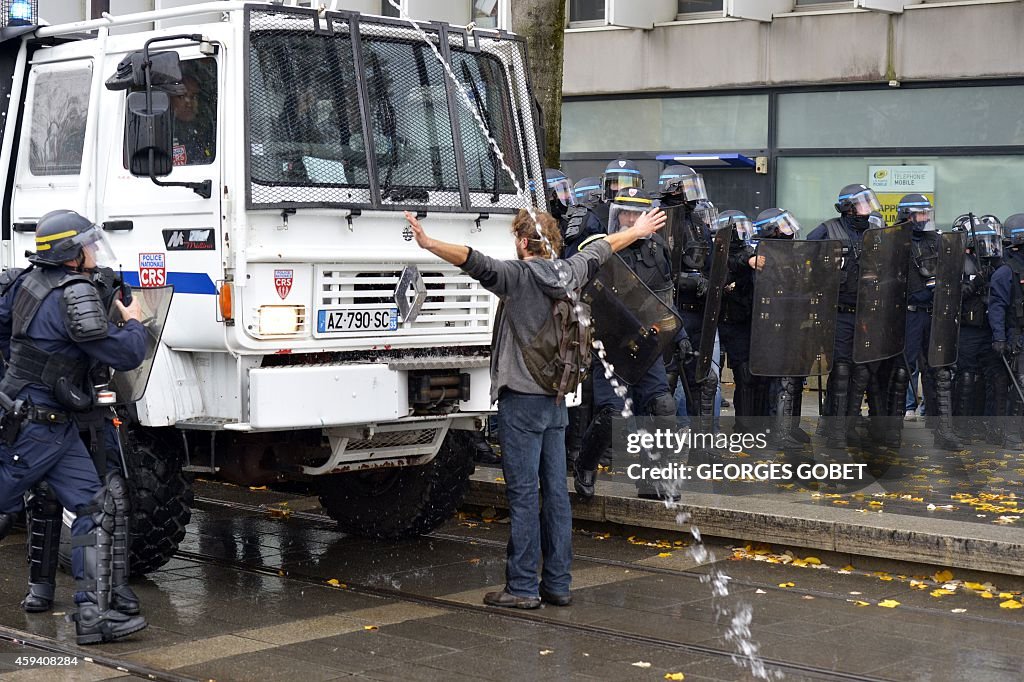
902,96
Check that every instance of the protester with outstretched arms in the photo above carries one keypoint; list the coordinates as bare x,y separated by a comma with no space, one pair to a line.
532,417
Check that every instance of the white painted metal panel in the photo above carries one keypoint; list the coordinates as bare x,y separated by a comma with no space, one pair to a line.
334,395
890,6
758,10
640,13
452,11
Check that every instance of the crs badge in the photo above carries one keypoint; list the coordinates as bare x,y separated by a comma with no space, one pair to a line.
283,282
152,270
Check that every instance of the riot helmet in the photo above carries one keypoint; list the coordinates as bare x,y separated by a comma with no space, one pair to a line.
736,221
679,179
982,238
587,191
857,200
776,223
918,211
63,236
1013,229
626,207
559,191
620,174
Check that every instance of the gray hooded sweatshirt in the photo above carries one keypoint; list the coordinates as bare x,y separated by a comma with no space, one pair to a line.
527,287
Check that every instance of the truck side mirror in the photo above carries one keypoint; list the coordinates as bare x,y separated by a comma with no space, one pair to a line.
149,135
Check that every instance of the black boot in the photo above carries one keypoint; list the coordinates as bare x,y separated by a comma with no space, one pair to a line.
838,397
96,621
785,406
945,437
122,597
596,442
483,453
6,522
45,518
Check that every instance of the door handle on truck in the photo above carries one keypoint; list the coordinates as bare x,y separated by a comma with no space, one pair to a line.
24,227
118,225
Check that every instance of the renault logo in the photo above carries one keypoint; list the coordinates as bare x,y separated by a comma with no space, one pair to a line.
410,293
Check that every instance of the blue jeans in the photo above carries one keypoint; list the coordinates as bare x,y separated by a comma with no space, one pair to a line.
532,436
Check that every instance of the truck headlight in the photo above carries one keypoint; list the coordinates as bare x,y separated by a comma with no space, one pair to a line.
282,320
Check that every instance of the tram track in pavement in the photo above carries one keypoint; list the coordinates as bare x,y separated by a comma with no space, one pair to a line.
49,646
328,523
534,617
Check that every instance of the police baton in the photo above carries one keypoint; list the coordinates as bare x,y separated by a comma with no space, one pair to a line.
1013,378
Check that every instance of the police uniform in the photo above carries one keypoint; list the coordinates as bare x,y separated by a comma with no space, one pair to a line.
1006,320
58,328
750,399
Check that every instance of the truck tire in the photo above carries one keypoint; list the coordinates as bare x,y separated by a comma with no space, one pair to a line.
401,502
161,500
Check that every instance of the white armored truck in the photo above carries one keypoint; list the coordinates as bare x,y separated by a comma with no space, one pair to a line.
261,165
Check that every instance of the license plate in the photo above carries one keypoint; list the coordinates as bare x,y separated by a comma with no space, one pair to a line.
357,320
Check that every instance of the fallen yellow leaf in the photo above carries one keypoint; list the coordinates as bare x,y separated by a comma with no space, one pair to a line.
370,627
941,592
813,560
943,576
333,582
675,676
257,487
787,584
1005,595
858,602
986,595
974,586
664,555
889,603
1011,604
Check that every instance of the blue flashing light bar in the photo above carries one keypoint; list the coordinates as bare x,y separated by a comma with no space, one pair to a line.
709,160
19,12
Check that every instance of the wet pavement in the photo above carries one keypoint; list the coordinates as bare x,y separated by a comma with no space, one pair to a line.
265,589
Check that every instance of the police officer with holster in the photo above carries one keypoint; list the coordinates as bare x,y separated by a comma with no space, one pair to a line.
1006,318
59,330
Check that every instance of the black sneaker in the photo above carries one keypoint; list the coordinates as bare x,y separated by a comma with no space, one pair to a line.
555,599
511,601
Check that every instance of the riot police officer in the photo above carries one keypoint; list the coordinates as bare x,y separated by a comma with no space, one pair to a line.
785,393
1006,319
573,206
619,174
847,382
44,512
683,187
587,192
977,365
58,331
649,259
916,211
750,398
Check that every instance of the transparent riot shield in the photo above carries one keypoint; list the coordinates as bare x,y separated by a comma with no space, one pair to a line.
880,324
635,326
672,233
793,325
942,344
156,304
713,301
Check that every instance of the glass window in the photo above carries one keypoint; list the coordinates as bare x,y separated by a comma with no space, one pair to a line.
586,10
60,105
926,117
305,123
195,114
695,6
982,184
485,13
387,10
412,131
666,124
484,79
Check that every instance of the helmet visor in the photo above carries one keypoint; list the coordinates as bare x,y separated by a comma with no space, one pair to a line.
614,180
94,240
780,226
921,219
585,193
988,243
622,217
863,202
744,229
561,190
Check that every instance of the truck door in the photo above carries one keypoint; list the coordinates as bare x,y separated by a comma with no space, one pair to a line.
49,172
170,235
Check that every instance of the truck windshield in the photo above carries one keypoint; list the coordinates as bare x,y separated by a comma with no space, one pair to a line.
307,122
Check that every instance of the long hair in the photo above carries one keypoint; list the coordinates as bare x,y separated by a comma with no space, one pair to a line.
524,227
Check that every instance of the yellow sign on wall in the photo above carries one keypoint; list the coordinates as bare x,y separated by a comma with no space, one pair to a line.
892,183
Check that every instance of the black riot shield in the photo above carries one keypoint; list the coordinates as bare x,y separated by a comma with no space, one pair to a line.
880,324
949,273
633,324
672,233
713,301
793,324
156,304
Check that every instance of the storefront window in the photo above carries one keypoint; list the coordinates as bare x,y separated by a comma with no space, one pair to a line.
980,184
919,117
666,124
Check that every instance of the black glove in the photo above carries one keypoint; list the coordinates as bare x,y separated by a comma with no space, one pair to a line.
684,350
1000,347
693,282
